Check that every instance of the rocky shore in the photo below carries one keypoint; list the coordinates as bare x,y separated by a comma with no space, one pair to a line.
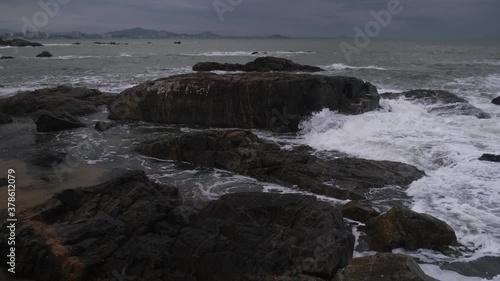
129,226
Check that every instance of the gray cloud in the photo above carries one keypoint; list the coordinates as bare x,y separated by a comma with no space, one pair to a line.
422,19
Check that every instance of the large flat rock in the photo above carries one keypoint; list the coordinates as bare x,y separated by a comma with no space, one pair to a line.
275,101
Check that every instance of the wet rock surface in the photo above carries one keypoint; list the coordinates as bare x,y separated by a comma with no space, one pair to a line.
275,101
264,64
103,126
442,102
403,228
383,267
244,153
484,267
490,158
496,101
133,229
4,118
19,43
47,121
44,54
360,211
76,101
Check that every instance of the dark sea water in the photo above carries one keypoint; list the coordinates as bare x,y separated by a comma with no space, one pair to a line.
458,188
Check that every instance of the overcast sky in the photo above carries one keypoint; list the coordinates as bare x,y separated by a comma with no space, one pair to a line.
420,19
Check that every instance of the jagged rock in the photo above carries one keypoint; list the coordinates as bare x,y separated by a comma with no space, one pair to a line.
263,64
44,54
383,267
47,121
19,43
76,101
490,158
6,57
255,53
360,211
4,118
496,101
103,126
244,153
403,228
442,102
132,229
276,101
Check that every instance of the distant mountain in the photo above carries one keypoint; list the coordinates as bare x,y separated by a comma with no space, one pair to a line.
139,32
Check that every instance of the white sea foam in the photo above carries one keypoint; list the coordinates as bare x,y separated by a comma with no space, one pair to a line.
247,54
341,66
57,45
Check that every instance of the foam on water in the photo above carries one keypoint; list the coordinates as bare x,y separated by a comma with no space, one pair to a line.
341,66
248,54
458,188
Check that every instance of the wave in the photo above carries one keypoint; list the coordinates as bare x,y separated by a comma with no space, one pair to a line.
125,55
57,45
70,57
488,62
247,54
341,66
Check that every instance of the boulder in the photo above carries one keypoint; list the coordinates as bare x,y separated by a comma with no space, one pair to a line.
4,118
483,267
383,267
103,126
490,158
360,211
6,58
19,43
403,228
44,54
275,101
496,101
76,101
132,229
441,102
244,153
47,121
263,64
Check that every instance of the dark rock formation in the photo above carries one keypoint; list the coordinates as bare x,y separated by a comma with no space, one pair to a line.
44,54
442,102
255,53
496,101
103,126
19,43
264,64
244,153
383,267
47,121
77,43
276,101
4,118
483,267
403,228
360,211
490,158
76,101
6,58
132,229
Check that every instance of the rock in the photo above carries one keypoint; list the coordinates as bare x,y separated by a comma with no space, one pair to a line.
275,101
132,229
244,153
403,228
76,101
255,53
2,86
47,121
383,267
77,43
178,42
6,58
490,158
19,43
484,267
360,211
496,101
4,118
263,64
44,54
443,102
103,126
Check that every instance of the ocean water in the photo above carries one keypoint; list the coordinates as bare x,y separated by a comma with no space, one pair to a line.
458,188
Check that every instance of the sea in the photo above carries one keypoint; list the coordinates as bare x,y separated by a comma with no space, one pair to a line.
458,188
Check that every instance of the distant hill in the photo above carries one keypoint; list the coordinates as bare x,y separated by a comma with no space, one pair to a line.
139,32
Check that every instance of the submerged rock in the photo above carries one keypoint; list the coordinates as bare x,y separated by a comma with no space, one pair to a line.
76,101
103,126
47,121
383,267
442,102
44,54
6,58
244,153
264,64
19,43
134,229
403,228
360,211
484,267
496,101
490,158
275,101
4,118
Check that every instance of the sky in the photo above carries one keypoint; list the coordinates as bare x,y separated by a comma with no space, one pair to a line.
417,19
